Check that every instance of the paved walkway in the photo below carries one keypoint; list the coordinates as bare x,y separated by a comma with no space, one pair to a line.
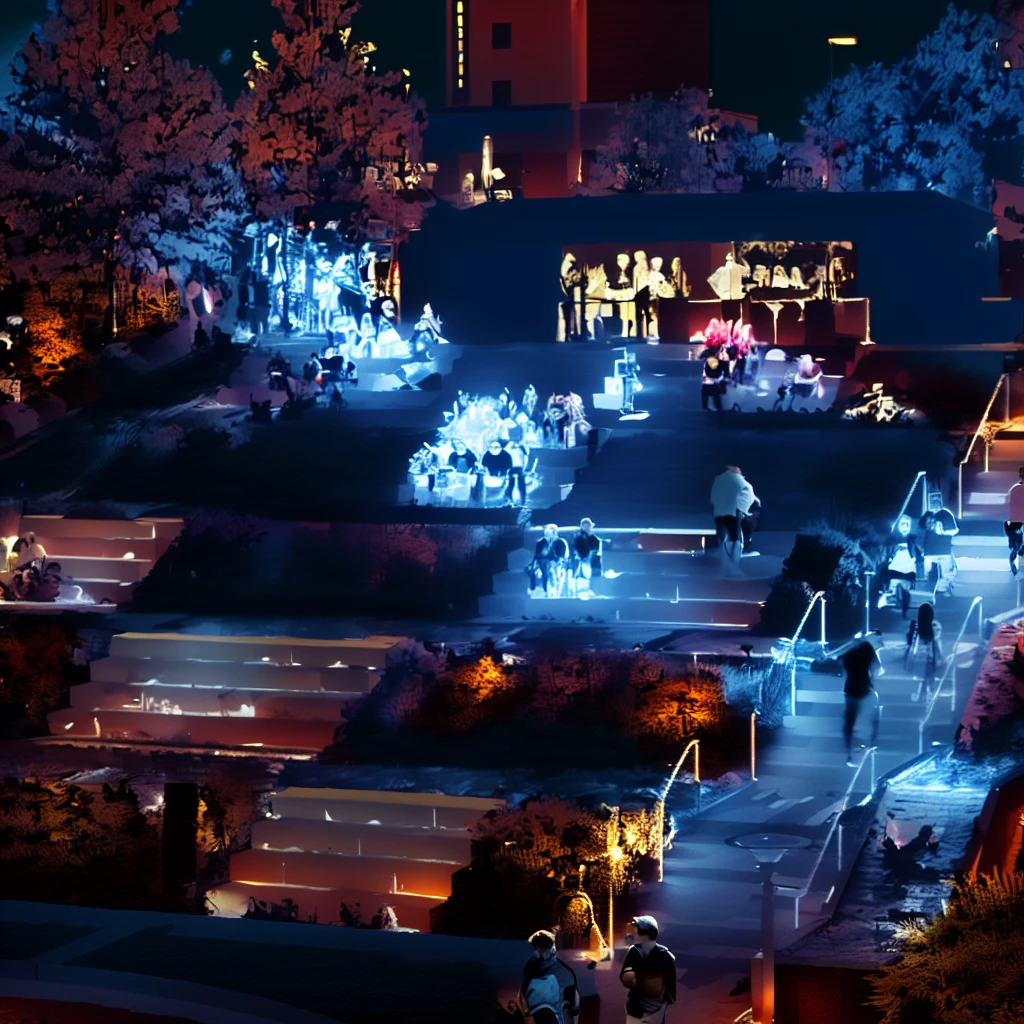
710,904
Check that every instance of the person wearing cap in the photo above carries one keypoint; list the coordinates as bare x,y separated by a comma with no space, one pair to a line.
649,974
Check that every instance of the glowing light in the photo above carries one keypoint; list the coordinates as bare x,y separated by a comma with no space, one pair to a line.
842,41
128,554
616,853
70,725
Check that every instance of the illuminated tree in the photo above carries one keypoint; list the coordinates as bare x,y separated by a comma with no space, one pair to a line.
930,121
120,154
964,967
317,119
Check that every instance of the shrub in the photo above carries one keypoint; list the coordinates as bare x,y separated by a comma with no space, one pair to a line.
823,559
964,967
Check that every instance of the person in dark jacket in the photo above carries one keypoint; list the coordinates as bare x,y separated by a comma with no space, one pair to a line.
649,973
462,460
586,550
497,461
548,993
861,664
550,553
712,382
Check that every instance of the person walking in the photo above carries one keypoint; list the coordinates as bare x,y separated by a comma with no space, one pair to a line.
861,664
1014,526
649,974
730,495
924,639
548,993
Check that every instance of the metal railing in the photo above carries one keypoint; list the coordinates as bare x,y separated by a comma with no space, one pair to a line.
843,806
791,652
949,670
983,423
922,479
693,745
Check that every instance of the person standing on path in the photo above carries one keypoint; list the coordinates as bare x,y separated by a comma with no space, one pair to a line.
649,973
924,637
861,664
548,993
731,496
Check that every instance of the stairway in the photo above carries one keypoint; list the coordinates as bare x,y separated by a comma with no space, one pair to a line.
104,557
319,847
981,546
279,693
672,576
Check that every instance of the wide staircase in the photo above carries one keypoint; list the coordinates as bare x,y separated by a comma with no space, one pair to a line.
276,693
671,576
321,847
105,557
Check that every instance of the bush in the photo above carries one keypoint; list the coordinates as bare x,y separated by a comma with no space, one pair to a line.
964,967
823,559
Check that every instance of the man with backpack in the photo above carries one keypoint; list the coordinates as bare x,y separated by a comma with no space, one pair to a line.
548,993
649,973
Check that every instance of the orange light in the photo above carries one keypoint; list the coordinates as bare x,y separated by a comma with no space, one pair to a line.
842,41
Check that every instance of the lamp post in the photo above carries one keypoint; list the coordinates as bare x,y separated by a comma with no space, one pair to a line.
833,42
767,849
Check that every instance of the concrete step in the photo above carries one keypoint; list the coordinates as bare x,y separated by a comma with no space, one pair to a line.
370,652
377,874
659,587
195,730
698,612
124,570
209,701
226,675
359,839
54,527
231,900
60,549
383,807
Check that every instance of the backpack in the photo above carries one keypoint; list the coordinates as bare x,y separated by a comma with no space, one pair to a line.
543,990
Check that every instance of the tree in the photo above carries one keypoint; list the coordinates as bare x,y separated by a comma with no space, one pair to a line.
934,120
320,117
32,669
120,153
964,967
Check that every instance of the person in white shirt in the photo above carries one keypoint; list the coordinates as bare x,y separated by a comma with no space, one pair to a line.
731,500
1014,526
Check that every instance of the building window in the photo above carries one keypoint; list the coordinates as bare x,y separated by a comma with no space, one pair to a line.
501,35
501,93
459,50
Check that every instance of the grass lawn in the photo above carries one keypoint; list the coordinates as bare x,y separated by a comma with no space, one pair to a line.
21,941
358,988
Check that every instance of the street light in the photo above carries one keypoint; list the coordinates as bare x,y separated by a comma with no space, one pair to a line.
833,42
767,849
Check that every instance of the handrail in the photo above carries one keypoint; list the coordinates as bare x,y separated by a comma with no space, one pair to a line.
835,822
984,418
906,501
693,745
950,666
791,653
977,433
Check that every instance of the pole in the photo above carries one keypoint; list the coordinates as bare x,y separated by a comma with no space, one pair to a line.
867,602
831,110
823,643
960,491
767,945
611,913
753,746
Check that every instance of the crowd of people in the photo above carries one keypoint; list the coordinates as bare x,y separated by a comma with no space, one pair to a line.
33,577
483,450
565,569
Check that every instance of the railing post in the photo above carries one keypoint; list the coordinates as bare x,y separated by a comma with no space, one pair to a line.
960,491
839,847
792,685
823,641
868,576
1006,395
753,746
874,775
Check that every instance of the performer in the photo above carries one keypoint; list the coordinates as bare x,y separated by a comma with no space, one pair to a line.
586,551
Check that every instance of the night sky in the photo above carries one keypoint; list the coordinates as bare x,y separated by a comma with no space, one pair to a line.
767,56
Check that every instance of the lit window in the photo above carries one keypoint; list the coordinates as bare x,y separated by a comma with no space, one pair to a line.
460,46
460,21
460,83
460,33
459,7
